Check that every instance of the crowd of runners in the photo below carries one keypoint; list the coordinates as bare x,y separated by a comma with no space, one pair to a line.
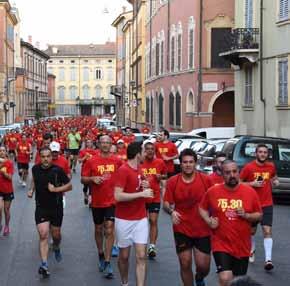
125,183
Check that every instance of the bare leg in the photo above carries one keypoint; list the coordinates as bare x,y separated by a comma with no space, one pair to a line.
43,231
7,205
123,264
185,262
109,235
140,250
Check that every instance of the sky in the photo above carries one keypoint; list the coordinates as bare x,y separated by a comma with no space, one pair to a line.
69,21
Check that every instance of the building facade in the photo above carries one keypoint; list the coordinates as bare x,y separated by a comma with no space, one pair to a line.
188,85
121,90
51,94
8,20
84,76
259,48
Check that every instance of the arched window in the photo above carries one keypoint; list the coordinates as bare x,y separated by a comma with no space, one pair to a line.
147,109
98,91
178,109
190,103
86,74
172,49
61,93
73,92
73,74
191,34
61,74
171,109
152,110
179,47
160,113
86,92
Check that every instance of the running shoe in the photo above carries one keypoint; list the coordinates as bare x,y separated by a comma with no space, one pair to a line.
108,270
43,270
200,282
268,265
20,182
115,251
6,230
101,264
23,184
252,257
86,200
57,254
151,251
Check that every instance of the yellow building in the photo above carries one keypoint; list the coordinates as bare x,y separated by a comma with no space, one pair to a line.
84,76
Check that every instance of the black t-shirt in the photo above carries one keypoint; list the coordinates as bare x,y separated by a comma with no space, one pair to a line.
54,175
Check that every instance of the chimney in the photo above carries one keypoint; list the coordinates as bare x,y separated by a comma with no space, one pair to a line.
37,45
124,9
30,39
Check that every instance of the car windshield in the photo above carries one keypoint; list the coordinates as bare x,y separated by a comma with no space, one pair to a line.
199,146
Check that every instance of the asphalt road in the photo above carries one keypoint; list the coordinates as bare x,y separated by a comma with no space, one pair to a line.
19,258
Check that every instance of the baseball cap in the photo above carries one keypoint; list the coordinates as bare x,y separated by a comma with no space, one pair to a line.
120,141
54,146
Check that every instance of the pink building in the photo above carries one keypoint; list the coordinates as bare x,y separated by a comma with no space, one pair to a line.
188,85
51,94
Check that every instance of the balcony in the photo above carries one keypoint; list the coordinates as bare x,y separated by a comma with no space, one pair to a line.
116,90
96,101
242,46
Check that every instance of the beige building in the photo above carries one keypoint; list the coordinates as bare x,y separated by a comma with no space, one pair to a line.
84,77
259,49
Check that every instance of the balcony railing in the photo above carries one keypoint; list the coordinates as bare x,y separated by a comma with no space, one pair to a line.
96,101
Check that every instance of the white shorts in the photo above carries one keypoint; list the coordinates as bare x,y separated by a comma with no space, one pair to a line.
129,232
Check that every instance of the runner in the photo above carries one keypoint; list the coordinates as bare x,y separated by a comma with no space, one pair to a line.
100,173
167,151
261,174
73,144
6,188
50,182
131,219
217,177
154,170
229,209
23,151
121,150
183,194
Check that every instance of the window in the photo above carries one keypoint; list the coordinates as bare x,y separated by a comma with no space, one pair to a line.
178,109
249,13
98,91
248,87
61,74
73,92
160,113
171,109
218,36
73,74
50,70
98,74
151,110
284,152
191,29
284,10
162,57
249,149
157,57
179,51
86,92
61,61
190,103
86,74
110,74
61,93
283,82
172,54
72,61
147,109
110,61
50,61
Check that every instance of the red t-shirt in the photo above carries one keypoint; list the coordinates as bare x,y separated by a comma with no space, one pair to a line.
62,162
168,149
23,153
149,170
252,171
86,151
186,198
122,154
129,180
103,194
128,139
12,142
6,185
216,179
233,235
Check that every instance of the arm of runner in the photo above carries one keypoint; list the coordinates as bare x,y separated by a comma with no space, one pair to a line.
62,189
121,196
6,175
250,217
275,181
175,216
89,180
212,222
32,188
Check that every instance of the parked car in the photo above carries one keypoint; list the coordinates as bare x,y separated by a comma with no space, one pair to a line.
242,150
141,137
174,136
214,132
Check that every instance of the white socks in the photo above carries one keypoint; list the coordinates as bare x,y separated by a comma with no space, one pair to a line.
253,247
268,244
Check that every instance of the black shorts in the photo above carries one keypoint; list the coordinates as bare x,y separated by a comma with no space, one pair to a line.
153,207
102,214
74,152
227,262
54,216
267,218
11,152
7,197
184,242
23,166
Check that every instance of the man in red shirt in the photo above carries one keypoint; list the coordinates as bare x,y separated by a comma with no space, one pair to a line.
217,177
23,151
100,173
131,223
121,150
129,137
6,188
261,174
167,151
85,154
184,191
153,170
229,209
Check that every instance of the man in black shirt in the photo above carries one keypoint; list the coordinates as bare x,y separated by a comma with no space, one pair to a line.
50,182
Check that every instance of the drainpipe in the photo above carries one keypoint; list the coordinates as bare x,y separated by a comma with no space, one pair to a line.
199,92
262,98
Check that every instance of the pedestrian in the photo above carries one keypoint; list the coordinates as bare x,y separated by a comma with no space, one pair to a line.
183,194
229,209
261,175
100,173
153,170
50,182
216,176
73,145
131,222
6,188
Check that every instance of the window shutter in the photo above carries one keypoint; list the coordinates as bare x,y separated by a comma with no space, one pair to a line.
283,9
